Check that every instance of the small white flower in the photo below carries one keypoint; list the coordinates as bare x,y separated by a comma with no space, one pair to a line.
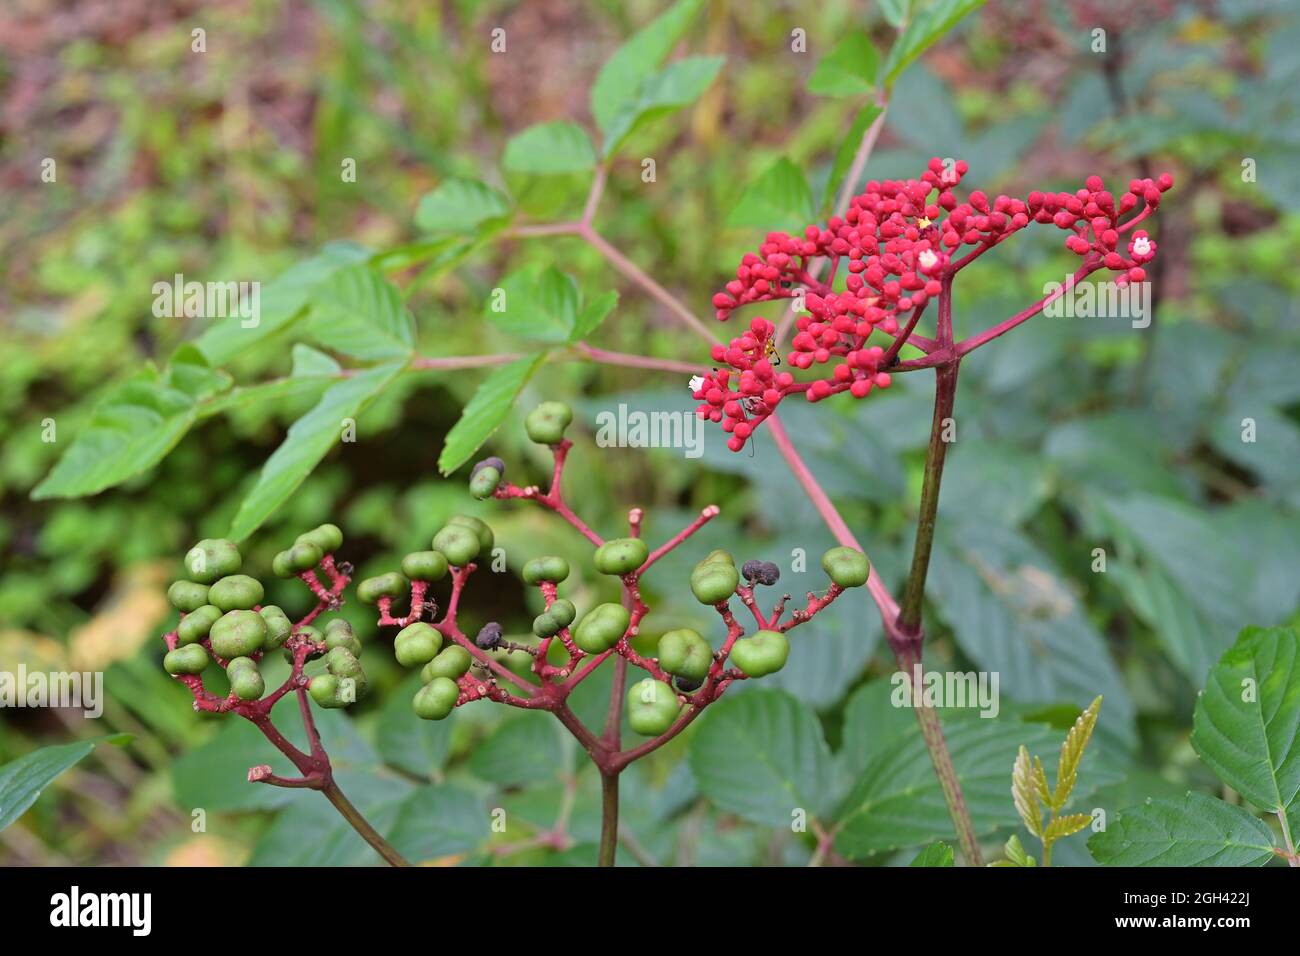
697,383
927,259
1142,246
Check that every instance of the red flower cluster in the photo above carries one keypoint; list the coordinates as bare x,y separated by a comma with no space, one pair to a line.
902,241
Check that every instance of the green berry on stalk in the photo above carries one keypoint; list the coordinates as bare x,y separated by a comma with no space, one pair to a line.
714,581
652,707
480,527
458,543
847,567
212,558
544,625
416,644
621,555
390,585
196,625
238,634
685,653
237,592
327,537
190,659
339,633
452,661
245,679
546,423
563,611
549,567
324,689
762,654
718,554
187,595
601,628
485,477
278,626
436,699
425,566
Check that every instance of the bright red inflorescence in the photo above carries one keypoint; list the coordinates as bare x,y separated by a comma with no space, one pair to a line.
902,241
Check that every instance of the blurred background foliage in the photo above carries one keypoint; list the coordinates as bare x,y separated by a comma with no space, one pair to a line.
1073,434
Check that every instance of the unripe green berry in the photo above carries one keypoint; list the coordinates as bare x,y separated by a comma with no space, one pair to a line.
238,634
190,659
245,679
339,633
303,556
187,595
196,625
601,628
762,654
390,585
480,527
847,567
549,567
685,653
238,592
343,664
544,625
425,566
546,423
621,555
416,644
280,565
714,581
452,661
278,626
324,689
563,611
436,699
211,559
718,554
484,482
652,707
327,537
459,543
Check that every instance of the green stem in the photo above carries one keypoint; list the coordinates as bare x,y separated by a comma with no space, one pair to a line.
608,818
359,823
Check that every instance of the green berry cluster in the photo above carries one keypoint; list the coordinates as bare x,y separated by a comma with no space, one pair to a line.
307,551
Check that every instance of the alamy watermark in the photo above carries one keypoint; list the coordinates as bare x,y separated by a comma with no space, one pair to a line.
1105,299
961,689
83,690
633,428
208,300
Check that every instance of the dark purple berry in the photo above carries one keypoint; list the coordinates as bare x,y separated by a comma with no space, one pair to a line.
686,685
489,637
492,462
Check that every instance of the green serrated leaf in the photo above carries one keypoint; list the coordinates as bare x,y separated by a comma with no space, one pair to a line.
1076,742
308,361
486,411
282,301
924,29
418,747
619,81
777,199
1065,826
548,149
1024,793
437,822
592,314
762,756
134,426
539,305
308,441
936,854
849,69
22,781
1198,831
524,749
1246,726
460,206
358,312
678,84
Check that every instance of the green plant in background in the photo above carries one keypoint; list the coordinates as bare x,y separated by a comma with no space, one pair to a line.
1080,437
1033,794
1247,730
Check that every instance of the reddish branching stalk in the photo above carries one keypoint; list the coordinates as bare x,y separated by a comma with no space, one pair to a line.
314,765
553,682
